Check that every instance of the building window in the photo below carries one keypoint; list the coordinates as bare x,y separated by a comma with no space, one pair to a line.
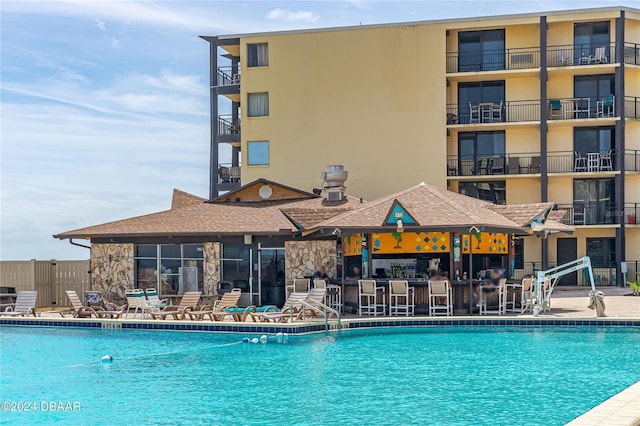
258,104
258,153
180,266
593,140
518,253
493,191
587,36
257,55
481,153
481,50
601,251
593,201
236,265
594,88
471,95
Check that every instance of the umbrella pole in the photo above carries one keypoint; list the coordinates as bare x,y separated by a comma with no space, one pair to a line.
470,278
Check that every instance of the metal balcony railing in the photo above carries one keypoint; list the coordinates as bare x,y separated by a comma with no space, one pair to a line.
632,107
581,108
589,213
632,213
494,60
227,76
580,162
581,54
632,53
508,164
632,160
227,125
603,275
493,112
228,173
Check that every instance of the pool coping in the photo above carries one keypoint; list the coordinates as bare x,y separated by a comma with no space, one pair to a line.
305,327
622,408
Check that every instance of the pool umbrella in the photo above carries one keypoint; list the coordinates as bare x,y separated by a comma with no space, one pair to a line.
427,208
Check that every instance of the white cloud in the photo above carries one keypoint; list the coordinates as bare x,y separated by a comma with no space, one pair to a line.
306,16
101,24
115,42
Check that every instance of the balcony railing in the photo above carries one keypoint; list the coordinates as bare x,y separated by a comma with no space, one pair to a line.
578,162
228,173
632,53
632,160
493,112
632,107
581,108
494,60
227,125
602,275
227,76
581,54
589,213
632,213
508,164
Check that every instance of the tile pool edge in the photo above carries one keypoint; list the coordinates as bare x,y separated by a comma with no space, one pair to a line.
622,408
314,327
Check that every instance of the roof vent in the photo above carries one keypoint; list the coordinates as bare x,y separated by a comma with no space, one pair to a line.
334,177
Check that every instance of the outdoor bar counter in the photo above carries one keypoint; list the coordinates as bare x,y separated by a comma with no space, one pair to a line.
461,305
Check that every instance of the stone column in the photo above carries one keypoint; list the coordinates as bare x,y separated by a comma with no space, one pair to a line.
112,269
302,258
212,267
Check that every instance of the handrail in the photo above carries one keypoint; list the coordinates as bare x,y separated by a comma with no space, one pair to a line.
323,309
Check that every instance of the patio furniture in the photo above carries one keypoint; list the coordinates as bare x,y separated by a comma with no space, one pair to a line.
95,300
500,290
401,298
299,285
291,308
564,58
599,56
606,161
474,113
368,301
189,302
219,307
486,112
593,161
334,297
154,300
78,310
497,166
514,165
581,107
555,109
25,305
136,301
440,298
526,296
534,167
579,214
314,304
452,118
580,162
606,107
319,283
496,112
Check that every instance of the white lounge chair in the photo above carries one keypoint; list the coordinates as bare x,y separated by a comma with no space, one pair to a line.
154,300
292,308
25,305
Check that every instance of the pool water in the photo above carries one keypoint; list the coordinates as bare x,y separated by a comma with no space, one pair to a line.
443,376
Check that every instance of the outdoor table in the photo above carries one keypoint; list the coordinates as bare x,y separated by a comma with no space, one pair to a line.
593,161
486,112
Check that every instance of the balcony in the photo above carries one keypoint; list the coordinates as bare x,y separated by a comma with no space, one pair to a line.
574,162
581,54
632,53
228,177
490,112
228,129
632,107
582,108
227,76
589,213
632,213
509,164
494,60
632,160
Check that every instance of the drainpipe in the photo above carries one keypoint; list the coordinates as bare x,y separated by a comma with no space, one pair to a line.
73,243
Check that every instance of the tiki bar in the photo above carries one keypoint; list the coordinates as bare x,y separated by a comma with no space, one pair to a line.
267,240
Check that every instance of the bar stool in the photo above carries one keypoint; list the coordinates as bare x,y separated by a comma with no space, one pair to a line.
502,298
368,301
399,292
438,291
299,285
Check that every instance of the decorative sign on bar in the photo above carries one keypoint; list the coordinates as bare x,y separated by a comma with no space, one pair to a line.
486,243
352,245
410,242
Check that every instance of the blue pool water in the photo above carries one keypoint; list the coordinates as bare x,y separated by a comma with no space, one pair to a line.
452,376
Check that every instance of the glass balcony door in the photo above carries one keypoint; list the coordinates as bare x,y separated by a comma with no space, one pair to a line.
481,50
480,152
593,201
587,36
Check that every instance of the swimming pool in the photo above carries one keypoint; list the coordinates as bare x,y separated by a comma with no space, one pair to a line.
498,376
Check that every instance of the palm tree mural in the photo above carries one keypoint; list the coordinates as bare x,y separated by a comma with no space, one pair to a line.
478,239
398,237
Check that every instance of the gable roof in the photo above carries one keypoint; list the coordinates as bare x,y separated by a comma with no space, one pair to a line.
183,199
249,193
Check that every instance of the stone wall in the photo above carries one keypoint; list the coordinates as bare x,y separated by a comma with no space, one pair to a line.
112,269
212,256
302,258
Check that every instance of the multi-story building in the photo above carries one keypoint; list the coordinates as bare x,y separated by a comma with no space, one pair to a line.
510,109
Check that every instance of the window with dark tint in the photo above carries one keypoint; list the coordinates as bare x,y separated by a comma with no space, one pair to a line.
593,201
258,104
478,92
477,149
587,36
493,191
518,253
173,262
593,87
593,139
236,265
601,251
257,55
481,50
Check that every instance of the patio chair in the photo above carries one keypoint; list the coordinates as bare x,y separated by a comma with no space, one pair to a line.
606,107
555,109
78,310
526,296
579,162
474,113
563,58
606,161
440,298
25,305
319,283
496,112
500,290
189,302
401,298
514,165
534,167
95,300
137,301
154,300
315,303
497,166
599,56
291,309
299,285
219,308
368,301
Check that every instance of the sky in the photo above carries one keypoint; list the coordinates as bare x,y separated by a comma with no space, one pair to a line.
104,104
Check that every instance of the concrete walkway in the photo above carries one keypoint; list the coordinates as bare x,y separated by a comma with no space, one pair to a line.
622,409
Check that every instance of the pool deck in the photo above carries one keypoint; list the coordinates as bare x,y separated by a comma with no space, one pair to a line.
622,409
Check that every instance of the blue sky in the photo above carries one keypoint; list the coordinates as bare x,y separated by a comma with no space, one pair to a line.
104,105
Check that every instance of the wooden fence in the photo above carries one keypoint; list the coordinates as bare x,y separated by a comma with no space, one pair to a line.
49,277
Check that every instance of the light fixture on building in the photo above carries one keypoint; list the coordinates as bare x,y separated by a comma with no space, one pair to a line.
248,239
399,224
